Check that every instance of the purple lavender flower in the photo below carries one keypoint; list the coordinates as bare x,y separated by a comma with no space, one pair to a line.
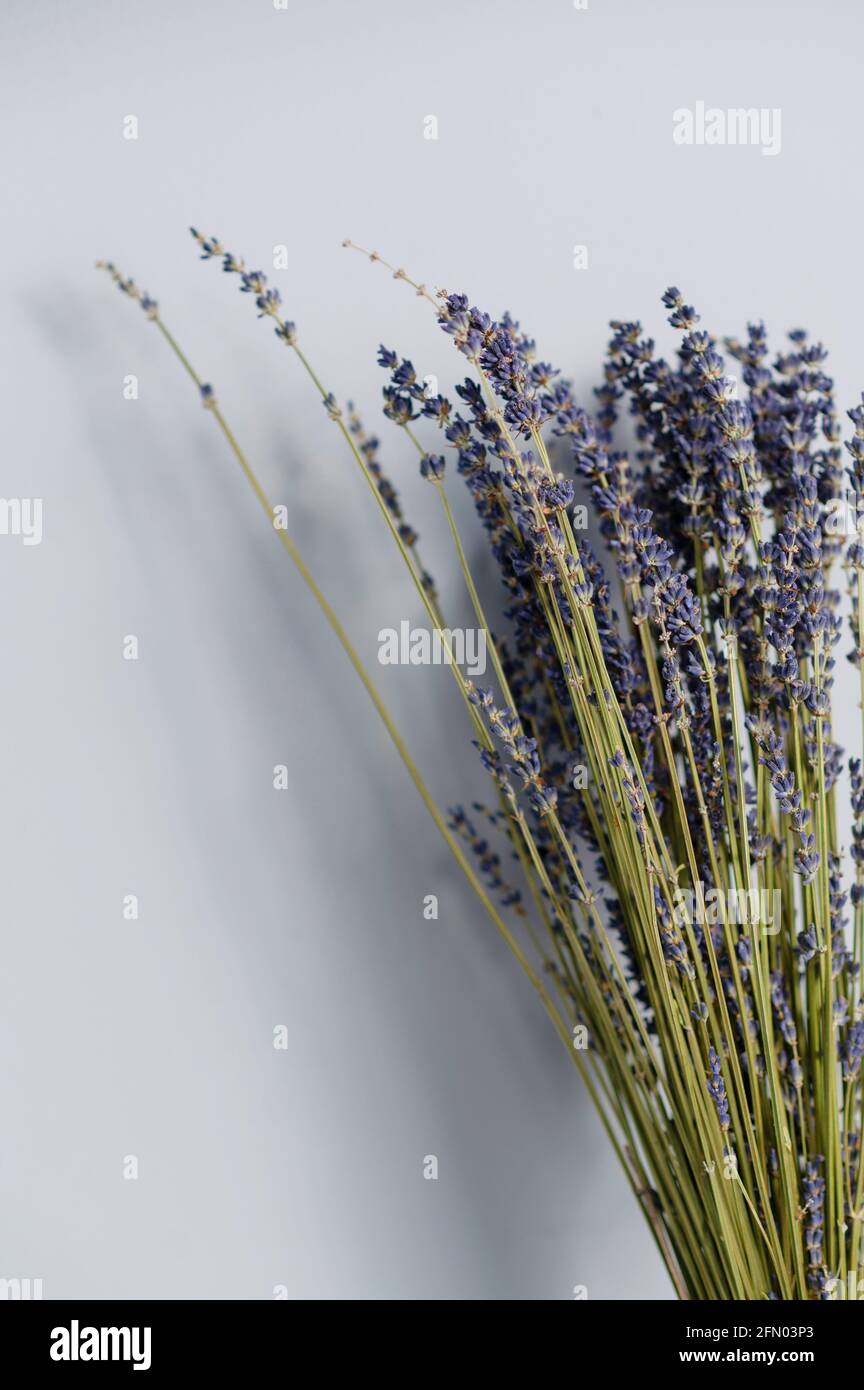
717,1089
432,467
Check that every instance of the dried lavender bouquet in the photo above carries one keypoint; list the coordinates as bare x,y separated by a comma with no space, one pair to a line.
681,909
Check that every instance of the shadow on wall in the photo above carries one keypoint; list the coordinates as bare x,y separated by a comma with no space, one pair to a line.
171,490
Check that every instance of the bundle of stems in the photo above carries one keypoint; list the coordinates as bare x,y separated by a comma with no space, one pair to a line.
662,764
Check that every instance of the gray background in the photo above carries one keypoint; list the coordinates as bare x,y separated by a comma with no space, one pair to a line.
407,1037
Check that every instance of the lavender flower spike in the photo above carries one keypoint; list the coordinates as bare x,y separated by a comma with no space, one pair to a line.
717,1089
